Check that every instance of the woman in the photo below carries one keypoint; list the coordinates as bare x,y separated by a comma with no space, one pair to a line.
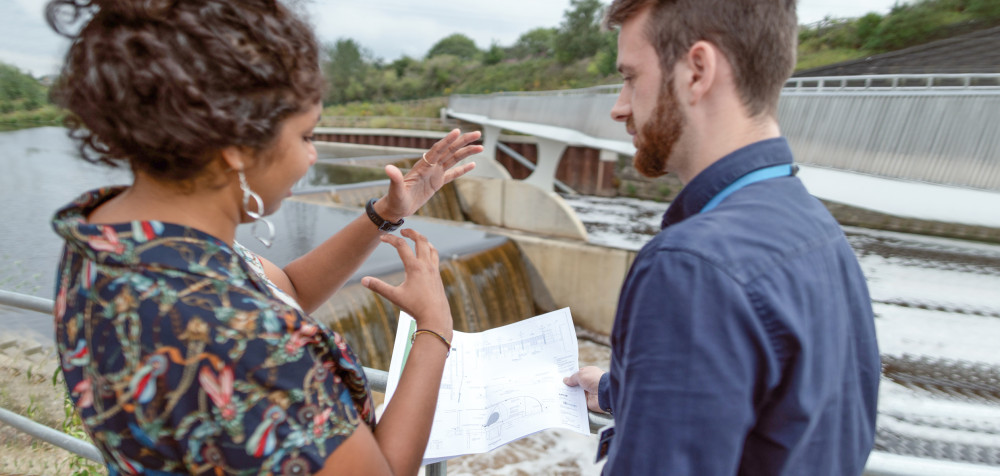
184,352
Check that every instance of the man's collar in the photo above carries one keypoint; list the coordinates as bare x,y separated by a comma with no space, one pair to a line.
723,172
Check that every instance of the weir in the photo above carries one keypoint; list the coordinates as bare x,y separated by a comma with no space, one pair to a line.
484,275
485,289
544,270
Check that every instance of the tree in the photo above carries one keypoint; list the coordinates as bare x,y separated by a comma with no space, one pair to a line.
19,91
579,35
606,60
441,74
867,26
402,64
457,45
346,66
493,55
537,42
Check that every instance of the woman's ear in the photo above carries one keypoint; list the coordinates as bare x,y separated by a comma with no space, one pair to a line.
235,157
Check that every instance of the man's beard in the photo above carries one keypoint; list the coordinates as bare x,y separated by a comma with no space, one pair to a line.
659,136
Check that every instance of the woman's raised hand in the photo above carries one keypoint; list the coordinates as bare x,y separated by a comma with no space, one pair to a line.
421,294
436,168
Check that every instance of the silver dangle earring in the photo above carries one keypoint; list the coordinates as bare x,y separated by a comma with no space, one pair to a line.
249,196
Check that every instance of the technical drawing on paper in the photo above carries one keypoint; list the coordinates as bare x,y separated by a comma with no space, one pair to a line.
502,384
517,407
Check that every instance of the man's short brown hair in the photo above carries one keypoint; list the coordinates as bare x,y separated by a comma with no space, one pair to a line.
758,38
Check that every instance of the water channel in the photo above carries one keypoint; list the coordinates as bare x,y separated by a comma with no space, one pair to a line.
937,301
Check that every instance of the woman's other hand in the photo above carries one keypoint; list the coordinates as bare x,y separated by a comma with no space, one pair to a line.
436,168
421,294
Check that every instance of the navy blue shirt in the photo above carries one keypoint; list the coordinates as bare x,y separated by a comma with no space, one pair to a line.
744,341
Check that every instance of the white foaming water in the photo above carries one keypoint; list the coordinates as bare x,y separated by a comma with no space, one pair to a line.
555,452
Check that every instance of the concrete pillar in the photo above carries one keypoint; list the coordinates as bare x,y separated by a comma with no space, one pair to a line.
550,152
606,173
486,162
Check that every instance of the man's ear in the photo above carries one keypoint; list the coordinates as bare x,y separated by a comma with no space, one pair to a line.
702,68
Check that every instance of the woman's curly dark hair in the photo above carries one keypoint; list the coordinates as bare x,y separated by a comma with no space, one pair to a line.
162,84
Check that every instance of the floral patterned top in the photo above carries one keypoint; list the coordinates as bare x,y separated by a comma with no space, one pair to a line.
181,359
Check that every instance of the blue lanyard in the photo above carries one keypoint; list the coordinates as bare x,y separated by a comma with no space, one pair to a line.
771,172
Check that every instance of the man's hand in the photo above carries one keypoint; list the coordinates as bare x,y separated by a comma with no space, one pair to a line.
589,378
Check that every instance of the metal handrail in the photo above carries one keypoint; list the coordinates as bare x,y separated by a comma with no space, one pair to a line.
54,437
377,379
343,187
604,89
883,82
24,301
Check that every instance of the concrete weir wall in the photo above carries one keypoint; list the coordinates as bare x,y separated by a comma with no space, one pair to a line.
517,205
566,271
584,277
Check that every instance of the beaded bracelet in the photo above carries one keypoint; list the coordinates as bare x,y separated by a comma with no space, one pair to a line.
428,331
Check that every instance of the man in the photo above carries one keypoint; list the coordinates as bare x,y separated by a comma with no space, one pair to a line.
744,341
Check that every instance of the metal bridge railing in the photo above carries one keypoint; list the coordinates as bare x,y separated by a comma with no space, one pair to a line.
932,128
894,82
593,90
377,379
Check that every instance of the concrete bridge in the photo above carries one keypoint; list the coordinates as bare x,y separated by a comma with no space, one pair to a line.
911,144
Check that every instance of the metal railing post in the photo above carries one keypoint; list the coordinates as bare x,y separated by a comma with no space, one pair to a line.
48,435
437,469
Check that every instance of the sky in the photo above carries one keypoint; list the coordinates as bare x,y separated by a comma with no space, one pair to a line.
389,29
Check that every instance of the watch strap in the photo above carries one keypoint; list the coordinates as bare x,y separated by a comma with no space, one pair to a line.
381,223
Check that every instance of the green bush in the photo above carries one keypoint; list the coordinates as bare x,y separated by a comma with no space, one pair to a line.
457,45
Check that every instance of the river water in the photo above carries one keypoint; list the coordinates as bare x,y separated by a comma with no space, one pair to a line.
935,299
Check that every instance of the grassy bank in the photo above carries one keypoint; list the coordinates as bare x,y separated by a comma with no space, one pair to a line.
47,115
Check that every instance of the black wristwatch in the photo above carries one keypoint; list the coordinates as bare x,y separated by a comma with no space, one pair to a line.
382,224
